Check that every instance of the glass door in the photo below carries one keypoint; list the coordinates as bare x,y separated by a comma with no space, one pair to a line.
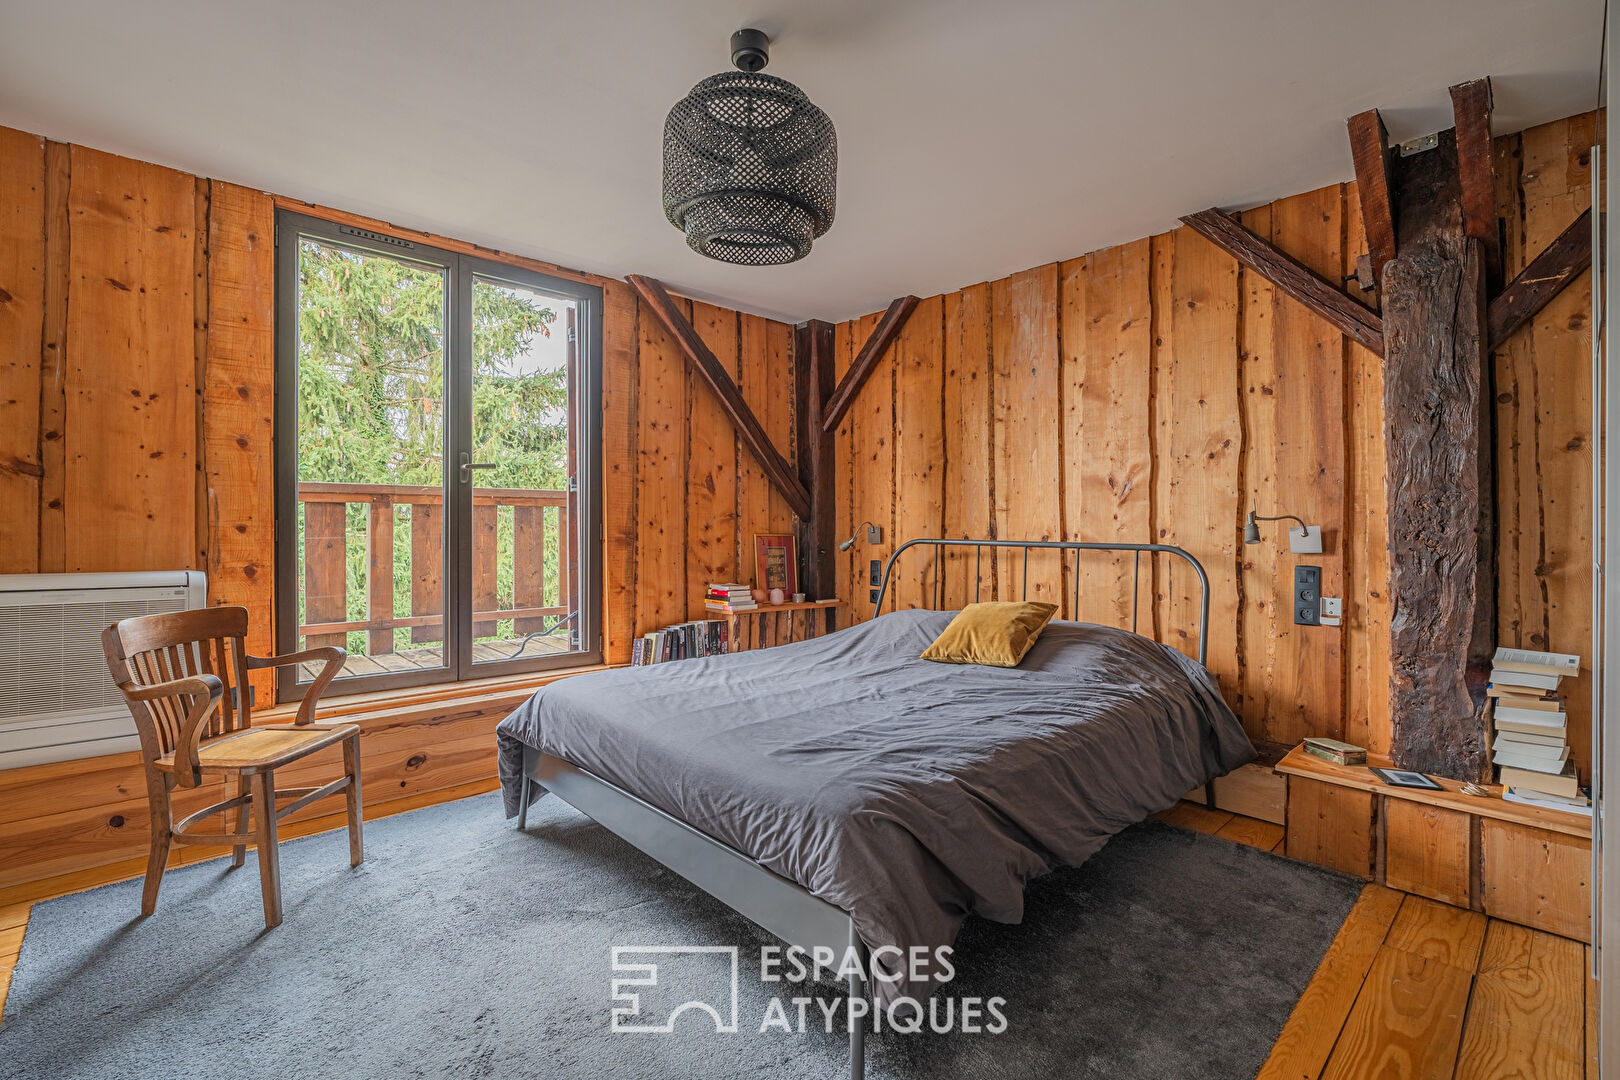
522,468
371,346
437,444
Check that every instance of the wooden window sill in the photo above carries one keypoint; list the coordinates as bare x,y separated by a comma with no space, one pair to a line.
410,702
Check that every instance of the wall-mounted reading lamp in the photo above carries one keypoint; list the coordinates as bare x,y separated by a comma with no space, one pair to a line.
1301,541
874,535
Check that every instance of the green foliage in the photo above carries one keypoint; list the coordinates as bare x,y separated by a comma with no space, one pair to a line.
371,397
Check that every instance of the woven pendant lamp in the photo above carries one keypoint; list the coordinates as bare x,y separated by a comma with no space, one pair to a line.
750,164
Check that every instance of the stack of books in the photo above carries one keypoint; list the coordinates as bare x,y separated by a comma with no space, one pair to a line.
729,598
1531,744
1336,751
686,641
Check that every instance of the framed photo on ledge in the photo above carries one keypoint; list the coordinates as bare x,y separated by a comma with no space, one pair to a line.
776,562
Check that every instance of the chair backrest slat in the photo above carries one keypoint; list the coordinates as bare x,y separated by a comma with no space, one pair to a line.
153,649
244,706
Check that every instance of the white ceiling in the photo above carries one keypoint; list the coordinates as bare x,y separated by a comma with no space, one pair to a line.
975,138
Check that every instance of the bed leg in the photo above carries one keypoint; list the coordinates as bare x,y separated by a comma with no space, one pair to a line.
523,802
857,1032
857,1027
1209,795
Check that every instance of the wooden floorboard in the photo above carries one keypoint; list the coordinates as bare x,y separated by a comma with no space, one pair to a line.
1412,988
1527,1018
1252,831
1313,1028
14,915
1591,1018
1409,988
1191,816
1407,1020
1440,932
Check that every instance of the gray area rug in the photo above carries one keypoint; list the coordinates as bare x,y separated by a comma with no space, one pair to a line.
463,948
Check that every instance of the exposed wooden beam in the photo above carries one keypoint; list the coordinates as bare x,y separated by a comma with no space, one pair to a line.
776,468
1441,517
1369,149
888,328
813,377
1545,277
1291,276
1476,172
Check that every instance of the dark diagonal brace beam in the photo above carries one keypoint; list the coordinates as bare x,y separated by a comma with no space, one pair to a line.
775,466
1291,276
1476,171
1545,277
888,328
1369,149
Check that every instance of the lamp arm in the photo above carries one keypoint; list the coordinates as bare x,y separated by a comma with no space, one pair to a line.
1286,517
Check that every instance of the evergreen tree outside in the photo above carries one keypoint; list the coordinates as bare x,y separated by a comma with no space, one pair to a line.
371,353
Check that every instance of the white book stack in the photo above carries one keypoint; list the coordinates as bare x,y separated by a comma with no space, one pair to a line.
1531,741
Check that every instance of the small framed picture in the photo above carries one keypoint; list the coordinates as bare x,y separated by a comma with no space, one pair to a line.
1405,778
776,562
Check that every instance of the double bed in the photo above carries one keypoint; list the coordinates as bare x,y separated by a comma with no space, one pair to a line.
843,793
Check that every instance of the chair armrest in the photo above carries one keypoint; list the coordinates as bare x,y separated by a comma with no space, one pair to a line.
208,691
334,663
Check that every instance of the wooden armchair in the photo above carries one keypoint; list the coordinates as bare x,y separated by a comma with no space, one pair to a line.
183,675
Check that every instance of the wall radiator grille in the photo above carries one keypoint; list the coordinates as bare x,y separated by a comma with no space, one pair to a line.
57,701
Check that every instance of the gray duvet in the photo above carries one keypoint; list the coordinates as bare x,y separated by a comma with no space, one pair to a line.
906,792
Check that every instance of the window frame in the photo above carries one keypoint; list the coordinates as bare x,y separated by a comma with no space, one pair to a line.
460,272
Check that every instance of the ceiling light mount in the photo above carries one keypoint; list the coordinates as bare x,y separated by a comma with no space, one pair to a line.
750,50
750,164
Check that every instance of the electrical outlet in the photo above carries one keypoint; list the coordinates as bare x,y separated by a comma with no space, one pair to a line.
875,575
871,596
1307,595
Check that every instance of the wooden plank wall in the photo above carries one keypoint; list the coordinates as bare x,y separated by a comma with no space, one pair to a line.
137,363
1544,416
1153,391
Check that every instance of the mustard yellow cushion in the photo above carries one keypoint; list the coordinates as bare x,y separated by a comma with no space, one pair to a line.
994,634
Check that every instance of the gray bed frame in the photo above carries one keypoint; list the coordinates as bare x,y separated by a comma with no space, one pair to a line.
776,904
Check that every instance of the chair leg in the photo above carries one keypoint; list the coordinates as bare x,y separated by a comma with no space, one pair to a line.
158,857
264,809
239,851
351,764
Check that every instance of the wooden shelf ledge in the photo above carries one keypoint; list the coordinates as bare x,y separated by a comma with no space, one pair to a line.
1299,763
766,609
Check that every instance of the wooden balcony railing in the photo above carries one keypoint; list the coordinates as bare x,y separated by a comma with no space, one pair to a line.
326,597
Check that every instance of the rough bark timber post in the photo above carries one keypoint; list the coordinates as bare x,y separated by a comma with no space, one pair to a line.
1441,489
813,376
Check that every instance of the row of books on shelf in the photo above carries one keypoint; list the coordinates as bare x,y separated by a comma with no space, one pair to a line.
1530,737
728,598
685,641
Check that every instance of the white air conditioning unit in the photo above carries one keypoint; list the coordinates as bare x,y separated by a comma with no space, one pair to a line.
57,700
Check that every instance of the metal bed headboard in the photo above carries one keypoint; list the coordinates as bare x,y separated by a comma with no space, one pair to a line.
939,544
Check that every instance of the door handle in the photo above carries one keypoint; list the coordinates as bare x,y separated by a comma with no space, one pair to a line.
468,465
